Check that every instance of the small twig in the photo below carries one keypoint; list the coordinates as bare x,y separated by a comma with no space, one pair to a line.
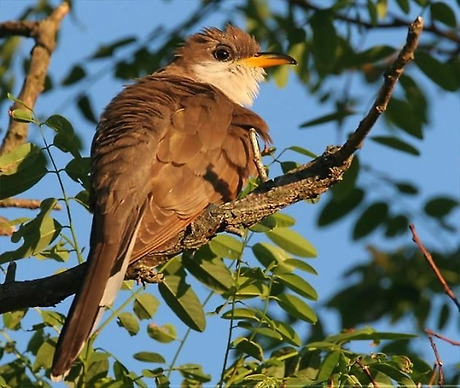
434,267
439,362
25,203
405,56
257,156
440,336
433,375
366,371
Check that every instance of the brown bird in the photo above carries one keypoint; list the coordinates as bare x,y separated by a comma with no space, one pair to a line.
165,148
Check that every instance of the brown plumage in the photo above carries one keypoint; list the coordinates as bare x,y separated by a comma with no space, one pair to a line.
166,147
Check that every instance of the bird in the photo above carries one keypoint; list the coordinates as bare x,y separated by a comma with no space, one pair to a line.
165,148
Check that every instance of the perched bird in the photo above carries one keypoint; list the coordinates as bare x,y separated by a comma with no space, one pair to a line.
165,148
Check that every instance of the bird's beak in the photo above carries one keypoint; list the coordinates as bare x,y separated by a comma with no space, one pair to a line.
268,60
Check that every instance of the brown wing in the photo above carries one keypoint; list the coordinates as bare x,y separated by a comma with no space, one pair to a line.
165,149
204,157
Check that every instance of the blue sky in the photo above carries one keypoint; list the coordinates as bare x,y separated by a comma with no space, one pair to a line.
436,170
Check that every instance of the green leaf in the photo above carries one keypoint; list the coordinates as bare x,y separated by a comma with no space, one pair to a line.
37,234
242,313
44,356
287,331
406,188
129,322
78,169
12,319
438,72
298,285
292,242
97,367
194,372
65,138
382,8
23,116
226,246
404,5
294,306
20,169
108,50
368,334
149,357
396,225
51,318
267,253
75,74
181,298
405,115
396,143
442,12
250,348
19,158
281,76
267,332
337,116
327,366
145,306
209,269
403,379
348,184
302,151
440,207
370,219
324,40
336,209
163,334
289,264
86,109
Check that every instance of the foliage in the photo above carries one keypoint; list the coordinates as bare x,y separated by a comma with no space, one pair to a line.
263,279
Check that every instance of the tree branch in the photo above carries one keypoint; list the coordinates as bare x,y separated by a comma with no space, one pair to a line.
305,182
434,267
44,33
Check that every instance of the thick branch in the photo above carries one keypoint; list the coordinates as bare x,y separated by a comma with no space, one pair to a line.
306,182
44,33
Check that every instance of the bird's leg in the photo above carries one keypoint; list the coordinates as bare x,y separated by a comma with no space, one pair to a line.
257,155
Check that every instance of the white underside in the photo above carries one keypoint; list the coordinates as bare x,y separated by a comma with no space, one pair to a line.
238,82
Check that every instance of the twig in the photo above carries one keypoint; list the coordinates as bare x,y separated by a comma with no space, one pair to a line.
257,156
440,336
366,371
44,33
434,267
394,23
25,203
439,362
405,56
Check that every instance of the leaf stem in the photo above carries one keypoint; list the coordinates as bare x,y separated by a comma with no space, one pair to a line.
65,198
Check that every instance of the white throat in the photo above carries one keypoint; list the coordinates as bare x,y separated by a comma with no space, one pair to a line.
238,82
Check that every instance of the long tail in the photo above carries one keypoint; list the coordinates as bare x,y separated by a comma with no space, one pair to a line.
106,268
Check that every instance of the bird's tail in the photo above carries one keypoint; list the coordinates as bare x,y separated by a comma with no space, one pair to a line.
106,268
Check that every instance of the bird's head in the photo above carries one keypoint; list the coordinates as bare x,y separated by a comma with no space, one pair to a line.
229,60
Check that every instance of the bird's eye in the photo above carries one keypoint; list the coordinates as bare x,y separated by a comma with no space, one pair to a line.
222,54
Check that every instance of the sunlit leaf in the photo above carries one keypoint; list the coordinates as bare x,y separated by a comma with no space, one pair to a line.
226,246
287,331
194,372
241,313
181,298
292,242
44,356
149,357
145,306
327,366
298,285
164,334
267,253
129,322
20,169
296,307
250,348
